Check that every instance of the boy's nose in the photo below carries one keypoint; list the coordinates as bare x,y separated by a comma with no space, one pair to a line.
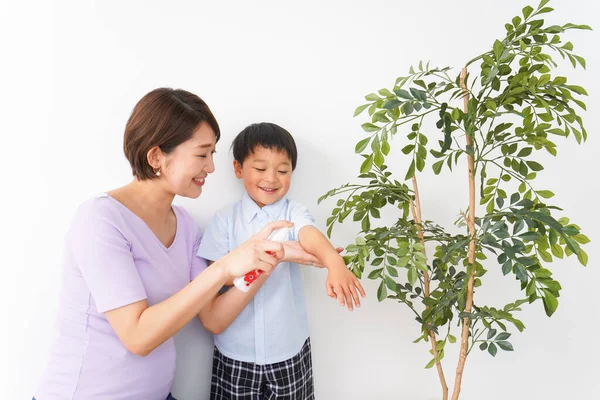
272,177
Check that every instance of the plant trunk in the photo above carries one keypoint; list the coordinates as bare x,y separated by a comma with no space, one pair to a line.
416,213
471,257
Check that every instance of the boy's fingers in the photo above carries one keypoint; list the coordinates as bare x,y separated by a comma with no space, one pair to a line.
349,300
330,291
355,296
347,297
360,288
340,295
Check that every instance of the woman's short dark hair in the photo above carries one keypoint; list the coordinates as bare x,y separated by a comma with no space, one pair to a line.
165,118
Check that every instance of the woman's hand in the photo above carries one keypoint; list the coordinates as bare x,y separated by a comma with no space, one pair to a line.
295,253
256,253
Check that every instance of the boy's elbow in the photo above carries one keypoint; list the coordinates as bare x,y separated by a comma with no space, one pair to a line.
138,348
212,326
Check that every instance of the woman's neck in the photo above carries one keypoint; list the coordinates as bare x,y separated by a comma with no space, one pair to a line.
147,198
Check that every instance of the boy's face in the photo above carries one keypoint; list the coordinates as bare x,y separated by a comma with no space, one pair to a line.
267,174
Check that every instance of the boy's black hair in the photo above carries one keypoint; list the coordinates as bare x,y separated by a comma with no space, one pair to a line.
267,135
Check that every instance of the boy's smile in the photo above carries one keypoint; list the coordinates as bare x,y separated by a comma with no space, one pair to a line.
266,174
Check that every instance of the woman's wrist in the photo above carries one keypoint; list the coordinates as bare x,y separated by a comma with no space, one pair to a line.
221,270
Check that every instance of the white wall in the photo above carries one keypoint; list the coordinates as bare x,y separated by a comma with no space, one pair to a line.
72,71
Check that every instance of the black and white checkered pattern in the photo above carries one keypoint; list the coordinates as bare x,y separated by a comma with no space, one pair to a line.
287,380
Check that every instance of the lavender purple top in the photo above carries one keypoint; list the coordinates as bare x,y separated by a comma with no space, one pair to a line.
113,259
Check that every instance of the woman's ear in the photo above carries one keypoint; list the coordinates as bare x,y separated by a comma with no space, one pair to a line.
156,158
237,167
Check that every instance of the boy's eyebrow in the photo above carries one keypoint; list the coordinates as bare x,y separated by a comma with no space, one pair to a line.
261,160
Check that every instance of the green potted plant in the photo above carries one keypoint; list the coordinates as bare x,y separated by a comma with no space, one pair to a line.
512,108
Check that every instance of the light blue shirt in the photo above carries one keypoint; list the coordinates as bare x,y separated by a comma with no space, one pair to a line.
273,327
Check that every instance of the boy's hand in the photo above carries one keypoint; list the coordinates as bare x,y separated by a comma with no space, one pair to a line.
343,285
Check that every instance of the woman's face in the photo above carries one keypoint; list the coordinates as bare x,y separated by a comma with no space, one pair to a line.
185,169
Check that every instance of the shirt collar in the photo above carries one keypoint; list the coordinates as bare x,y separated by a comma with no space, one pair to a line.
250,208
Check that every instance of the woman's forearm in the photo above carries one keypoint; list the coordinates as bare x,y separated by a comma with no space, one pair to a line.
142,329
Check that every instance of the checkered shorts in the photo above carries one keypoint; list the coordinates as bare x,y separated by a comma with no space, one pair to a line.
290,380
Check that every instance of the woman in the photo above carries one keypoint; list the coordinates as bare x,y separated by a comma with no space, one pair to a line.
131,277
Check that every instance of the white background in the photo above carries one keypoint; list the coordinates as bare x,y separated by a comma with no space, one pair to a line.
72,71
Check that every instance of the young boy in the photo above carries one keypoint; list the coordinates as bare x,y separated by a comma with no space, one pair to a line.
265,352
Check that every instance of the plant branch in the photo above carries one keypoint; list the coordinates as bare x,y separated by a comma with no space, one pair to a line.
471,256
415,207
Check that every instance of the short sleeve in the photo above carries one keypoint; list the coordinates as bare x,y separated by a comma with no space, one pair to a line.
104,257
215,241
199,264
301,217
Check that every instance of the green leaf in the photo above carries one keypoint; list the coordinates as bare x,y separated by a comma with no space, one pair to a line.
503,336
430,364
544,255
385,92
403,261
367,165
360,109
403,94
392,271
557,250
492,349
369,127
382,292
408,148
524,152
491,333
581,238
582,257
392,104
498,49
581,60
550,302
506,346
437,167
420,163
534,166
412,275
516,21
527,11
376,273
379,160
451,339
411,171
529,236
362,145
483,346
385,148
547,194
366,223
577,89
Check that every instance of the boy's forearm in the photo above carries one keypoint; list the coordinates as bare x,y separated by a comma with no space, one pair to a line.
225,308
314,242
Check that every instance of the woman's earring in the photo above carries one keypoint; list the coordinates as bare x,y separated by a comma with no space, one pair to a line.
156,171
